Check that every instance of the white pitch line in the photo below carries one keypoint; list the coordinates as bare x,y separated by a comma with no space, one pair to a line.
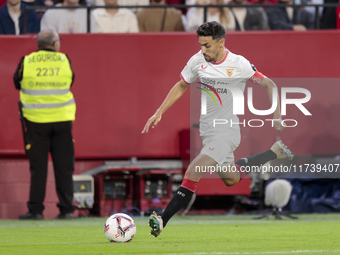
249,253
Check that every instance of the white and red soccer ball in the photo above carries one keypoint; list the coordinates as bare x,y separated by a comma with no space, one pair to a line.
120,228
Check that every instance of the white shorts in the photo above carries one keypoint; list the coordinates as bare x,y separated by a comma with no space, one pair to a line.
221,148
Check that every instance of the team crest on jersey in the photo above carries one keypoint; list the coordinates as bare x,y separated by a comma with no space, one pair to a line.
230,71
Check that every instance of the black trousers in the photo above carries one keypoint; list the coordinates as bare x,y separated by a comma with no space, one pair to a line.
55,138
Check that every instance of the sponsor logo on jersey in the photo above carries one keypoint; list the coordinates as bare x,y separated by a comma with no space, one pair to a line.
204,67
230,71
211,89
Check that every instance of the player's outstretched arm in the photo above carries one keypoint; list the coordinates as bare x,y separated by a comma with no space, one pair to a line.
174,94
268,84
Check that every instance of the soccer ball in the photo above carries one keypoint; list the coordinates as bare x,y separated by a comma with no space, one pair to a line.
120,228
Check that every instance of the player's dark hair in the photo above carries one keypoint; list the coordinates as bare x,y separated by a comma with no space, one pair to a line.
213,29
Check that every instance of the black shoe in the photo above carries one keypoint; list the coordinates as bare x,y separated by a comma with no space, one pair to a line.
64,216
31,216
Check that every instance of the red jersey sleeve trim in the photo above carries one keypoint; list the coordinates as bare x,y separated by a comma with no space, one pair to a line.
184,79
257,78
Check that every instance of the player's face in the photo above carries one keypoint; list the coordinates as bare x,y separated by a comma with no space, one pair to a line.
210,47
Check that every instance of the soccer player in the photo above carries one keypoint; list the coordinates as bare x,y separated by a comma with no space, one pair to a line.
215,64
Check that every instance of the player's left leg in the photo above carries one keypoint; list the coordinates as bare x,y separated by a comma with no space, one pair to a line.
277,151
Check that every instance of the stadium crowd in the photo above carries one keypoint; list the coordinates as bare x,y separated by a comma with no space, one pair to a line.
133,20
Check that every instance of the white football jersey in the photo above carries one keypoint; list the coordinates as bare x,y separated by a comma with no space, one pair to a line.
219,79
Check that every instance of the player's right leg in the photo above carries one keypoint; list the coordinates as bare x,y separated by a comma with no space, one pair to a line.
277,151
183,195
281,150
233,173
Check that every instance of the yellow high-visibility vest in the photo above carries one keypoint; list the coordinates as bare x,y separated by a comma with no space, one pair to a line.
45,88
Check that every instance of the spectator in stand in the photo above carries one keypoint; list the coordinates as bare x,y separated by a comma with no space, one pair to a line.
12,19
121,3
159,19
66,21
41,2
95,2
133,2
184,11
110,20
330,19
249,18
262,1
309,8
289,18
177,2
221,15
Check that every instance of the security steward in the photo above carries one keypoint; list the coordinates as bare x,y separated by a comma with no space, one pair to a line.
44,79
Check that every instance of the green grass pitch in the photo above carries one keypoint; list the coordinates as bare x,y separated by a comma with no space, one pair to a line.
310,234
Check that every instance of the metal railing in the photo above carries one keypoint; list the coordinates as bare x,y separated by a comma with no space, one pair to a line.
205,8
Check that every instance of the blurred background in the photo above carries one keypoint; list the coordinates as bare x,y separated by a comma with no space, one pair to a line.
126,60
